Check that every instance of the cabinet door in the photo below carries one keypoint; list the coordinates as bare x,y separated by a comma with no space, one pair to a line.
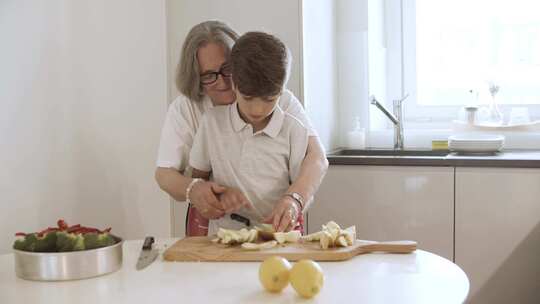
390,203
498,233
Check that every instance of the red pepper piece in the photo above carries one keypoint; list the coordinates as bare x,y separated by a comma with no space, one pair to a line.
50,229
62,224
73,228
20,234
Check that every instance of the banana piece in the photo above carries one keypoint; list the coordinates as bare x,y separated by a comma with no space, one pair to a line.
326,240
332,235
333,225
341,241
350,235
316,236
231,237
293,236
252,235
287,237
260,246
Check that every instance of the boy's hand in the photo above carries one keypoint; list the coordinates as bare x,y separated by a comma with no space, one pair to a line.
285,215
233,199
204,197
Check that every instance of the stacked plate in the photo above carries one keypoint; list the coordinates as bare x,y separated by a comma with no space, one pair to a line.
476,143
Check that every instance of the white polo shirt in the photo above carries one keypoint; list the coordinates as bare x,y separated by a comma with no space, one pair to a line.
262,164
182,121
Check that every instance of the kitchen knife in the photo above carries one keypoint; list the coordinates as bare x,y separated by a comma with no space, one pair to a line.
241,219
148,254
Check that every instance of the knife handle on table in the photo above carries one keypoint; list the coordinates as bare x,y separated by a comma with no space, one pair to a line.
148,241
241,219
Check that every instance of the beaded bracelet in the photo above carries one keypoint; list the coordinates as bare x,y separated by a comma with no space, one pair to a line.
190,186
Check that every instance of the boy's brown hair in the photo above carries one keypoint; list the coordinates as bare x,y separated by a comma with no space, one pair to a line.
260,65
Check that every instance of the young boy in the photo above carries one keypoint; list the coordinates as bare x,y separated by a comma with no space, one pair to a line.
252,145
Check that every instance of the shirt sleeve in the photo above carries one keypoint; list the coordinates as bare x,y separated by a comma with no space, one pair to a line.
291,105
176,137
298,141
199,157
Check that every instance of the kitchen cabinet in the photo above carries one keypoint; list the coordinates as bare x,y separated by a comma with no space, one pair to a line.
497,241
390,203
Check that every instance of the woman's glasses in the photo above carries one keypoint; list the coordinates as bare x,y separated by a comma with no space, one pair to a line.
211,77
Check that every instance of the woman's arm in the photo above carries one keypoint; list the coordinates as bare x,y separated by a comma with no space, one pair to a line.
314,166
172,182
312,171
203,194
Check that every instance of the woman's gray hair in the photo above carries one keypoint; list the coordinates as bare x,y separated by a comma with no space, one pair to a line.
188,71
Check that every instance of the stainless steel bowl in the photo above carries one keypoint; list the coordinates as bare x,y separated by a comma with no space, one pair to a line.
74,265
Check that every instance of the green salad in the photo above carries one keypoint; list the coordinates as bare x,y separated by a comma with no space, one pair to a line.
64,238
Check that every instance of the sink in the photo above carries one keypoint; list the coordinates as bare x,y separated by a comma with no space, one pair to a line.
390,153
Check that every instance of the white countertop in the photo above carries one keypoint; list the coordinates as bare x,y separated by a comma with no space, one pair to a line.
420,277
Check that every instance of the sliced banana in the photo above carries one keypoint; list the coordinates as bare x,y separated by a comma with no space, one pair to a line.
287,237
252,235
333,225
341,241
260,246
228,236
332,235
316,236
326,240
350,235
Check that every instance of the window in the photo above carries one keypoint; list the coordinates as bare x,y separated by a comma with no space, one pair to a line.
451,51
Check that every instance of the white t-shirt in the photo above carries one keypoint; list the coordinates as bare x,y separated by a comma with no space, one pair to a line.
183,119
262,165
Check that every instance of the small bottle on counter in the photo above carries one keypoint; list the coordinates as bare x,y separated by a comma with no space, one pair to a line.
471,114
356,139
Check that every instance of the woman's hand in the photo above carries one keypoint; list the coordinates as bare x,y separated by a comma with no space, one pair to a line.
204,196
233,199
285,215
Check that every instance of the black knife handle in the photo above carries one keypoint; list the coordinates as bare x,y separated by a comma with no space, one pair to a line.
241,219
148,241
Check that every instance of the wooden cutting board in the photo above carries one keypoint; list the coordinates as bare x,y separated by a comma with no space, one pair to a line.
203,249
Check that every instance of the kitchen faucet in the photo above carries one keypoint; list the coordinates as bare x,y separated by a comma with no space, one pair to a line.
396,119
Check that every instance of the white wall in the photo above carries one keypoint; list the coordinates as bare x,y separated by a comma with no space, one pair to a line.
83,96
352,63
279,17
320,69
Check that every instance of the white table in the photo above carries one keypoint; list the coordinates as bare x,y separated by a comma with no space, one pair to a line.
420,277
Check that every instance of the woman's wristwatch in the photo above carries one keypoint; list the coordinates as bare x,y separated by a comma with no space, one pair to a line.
298,198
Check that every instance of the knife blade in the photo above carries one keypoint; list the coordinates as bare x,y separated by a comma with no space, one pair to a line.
148,254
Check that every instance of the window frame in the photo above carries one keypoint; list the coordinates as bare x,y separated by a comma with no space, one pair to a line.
415,114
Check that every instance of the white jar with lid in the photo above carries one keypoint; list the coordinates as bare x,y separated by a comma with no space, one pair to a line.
356,139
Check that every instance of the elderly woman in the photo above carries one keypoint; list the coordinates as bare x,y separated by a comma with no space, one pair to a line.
204,80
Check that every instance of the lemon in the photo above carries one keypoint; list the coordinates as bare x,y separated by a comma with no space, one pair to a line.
274,273
307,278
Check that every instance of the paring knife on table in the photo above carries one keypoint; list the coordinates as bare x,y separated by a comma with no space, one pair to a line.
148,254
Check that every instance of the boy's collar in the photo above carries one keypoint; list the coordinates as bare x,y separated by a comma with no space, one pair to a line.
272,128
